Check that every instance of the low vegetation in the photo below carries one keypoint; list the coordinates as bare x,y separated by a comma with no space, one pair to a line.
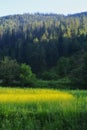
42,109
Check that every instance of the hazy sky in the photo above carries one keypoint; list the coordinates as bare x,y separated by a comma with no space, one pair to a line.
44,6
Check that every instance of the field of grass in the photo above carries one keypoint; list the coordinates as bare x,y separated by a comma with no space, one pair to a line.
43,109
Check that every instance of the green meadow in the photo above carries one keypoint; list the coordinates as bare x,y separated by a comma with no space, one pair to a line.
43,109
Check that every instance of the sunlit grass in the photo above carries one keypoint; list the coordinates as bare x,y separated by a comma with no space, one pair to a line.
33,95
42,109
40,100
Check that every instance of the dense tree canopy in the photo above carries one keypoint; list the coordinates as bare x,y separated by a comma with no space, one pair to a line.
45,41
12,73
41,39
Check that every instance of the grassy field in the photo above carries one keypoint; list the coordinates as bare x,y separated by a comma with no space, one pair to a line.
43,109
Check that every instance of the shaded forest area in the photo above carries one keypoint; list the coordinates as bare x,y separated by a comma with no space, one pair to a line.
53,45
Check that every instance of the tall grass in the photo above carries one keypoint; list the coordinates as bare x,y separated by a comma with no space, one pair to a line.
42,109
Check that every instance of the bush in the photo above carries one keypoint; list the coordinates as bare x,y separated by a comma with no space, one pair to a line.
11,73
49,75
26,75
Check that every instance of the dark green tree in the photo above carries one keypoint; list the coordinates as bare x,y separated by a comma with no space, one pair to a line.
27,78
85,70
9,71
63,67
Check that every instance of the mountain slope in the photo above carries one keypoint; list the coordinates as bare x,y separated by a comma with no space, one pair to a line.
41,39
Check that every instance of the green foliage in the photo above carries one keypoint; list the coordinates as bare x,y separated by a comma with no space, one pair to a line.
63,67
45,42
26,75
40,40
78,74
49,75
61,83
85,69
9,71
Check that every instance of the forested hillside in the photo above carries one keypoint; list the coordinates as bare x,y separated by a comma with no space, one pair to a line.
51,44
